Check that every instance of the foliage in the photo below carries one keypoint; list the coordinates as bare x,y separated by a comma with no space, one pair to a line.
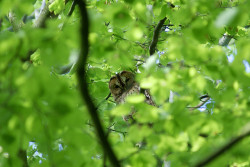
43,113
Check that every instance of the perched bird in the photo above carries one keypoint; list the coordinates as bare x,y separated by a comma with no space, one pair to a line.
122,85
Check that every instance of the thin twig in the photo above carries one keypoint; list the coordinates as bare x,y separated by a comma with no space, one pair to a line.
117,131
139,60
221,150
142,45
109,129
153,44
72,8
111,125
106,98
133,153
199,105
81,75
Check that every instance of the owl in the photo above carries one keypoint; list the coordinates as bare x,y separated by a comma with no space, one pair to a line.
123,84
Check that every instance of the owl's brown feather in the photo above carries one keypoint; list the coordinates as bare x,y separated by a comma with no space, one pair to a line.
123,84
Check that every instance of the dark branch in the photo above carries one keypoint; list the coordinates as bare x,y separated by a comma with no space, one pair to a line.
224,148
203,96
23,156
203,101
106,98
139,60
72,8
153,44
81,75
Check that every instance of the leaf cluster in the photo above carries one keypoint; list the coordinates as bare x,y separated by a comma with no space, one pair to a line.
43,115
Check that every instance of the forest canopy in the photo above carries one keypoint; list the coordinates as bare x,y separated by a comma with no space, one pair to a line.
56,61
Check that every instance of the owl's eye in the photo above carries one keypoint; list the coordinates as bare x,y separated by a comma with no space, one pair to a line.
127,79
116,86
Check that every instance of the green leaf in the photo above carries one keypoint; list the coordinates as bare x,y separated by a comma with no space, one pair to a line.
57,6
226,17
134,99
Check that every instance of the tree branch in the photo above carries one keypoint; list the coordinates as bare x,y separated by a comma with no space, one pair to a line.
110,129
199,105
23,156
224,40
44,13
16,24
81,75
224,148
142,45
153,44
72,8
39,23
106,98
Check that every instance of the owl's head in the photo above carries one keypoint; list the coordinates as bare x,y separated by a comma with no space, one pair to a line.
121,82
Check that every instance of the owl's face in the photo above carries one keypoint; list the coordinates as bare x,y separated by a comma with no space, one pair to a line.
120,84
